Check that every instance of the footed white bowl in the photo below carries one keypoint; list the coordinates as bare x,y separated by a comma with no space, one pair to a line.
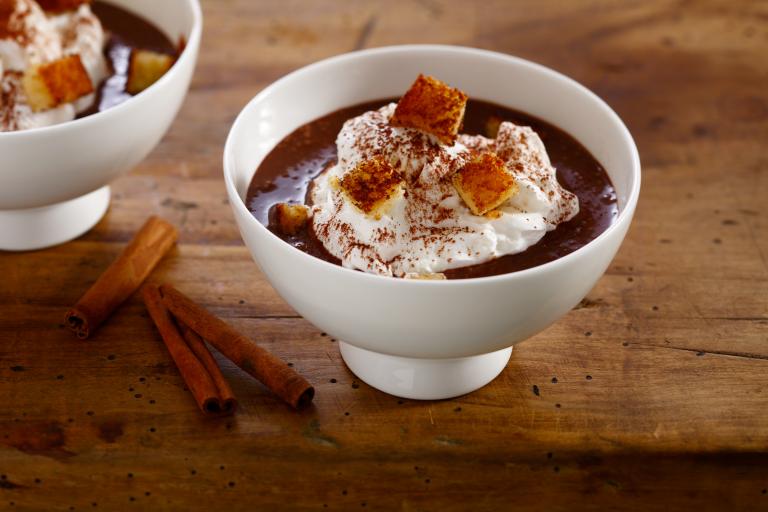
53,180
428,339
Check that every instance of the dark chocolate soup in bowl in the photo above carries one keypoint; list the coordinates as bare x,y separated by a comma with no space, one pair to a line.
286,175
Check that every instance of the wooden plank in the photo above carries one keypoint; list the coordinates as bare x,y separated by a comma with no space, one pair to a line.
651,391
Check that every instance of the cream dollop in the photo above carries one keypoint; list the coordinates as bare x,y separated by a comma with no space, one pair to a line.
427,228
31,37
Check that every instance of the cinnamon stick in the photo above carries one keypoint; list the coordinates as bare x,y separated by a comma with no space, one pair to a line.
193,371
270,370
198,347
122,278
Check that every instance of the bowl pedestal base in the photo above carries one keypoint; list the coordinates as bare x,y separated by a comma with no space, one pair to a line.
424,379
38,228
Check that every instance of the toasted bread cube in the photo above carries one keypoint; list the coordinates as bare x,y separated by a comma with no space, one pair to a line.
371,185
432,106
432,276
484,183
57,6
492,127
290,218
54,83
7,7
145,69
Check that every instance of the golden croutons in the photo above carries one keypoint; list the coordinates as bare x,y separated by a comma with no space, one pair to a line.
371,185
492,127
146,68
289,218
484,183
432,106
54,83
432,276
7,8
61,5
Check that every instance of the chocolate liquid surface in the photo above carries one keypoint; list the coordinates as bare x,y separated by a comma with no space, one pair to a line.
124,32
286,173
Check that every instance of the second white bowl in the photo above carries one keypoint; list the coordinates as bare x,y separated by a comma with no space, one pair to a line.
53,179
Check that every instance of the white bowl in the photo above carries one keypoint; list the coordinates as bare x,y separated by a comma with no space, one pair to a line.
53,180
428,339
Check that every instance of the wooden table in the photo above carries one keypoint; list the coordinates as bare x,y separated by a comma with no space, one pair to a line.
653,390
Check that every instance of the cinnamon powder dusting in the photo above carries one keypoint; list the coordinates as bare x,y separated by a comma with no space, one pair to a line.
6,11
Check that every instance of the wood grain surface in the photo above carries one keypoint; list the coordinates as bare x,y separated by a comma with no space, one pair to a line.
653,393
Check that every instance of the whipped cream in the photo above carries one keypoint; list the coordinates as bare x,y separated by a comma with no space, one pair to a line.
29,37
427,228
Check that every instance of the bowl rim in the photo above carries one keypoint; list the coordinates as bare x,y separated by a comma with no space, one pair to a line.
193,41
624,217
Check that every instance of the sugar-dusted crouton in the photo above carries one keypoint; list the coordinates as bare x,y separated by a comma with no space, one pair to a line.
289,218
54,83
492,127
61,5
146,68
432,276
432,106
484,183
7,7
371,185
